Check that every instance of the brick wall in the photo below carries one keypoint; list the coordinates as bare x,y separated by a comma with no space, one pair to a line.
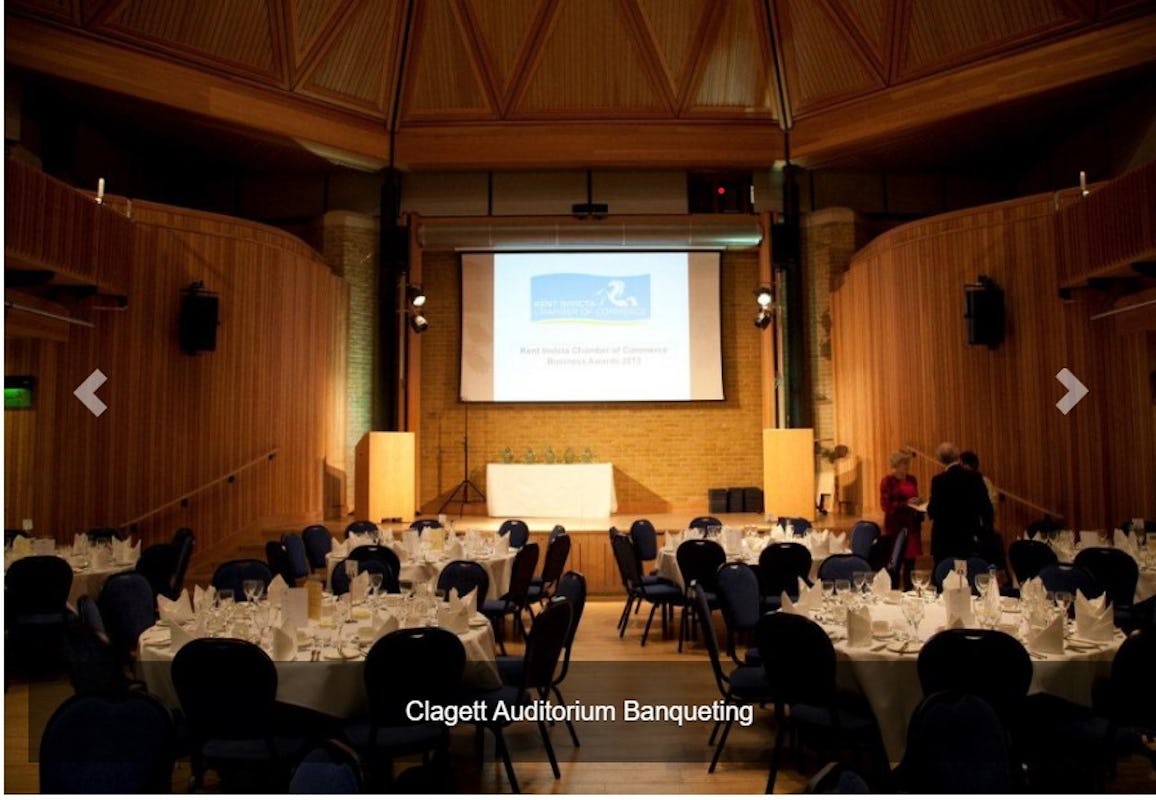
666,455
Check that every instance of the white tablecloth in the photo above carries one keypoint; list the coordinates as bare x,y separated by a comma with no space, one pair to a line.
333,687
666,565
426,569
890,682
550,490
88,580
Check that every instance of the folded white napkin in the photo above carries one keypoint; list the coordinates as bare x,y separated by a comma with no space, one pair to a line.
1095,620
412,541
858,627
1033,590
454,615
284,643
955,581
125,552
80,543
787,606
673,540
355,540
837,543
957,604
732,539
1125,542
881,583
820,543
100,555
175,612
180,637
202,598
502,545
1050,639
777,532
810,598
454,550
22,546
470,600
276,590
435,537
359,588
339,549
385,623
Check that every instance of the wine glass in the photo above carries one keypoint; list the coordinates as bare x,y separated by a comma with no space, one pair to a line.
859,580
350,568
913,608
252,589
1064,601
982,582
920,578
374,583
842,591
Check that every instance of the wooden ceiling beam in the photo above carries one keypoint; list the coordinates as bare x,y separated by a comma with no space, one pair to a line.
909,106
76,57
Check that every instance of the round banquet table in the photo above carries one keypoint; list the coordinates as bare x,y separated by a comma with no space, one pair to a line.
666,565
885,670
332,685
86,580
430,564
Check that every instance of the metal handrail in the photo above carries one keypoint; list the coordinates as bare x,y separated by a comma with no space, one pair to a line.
1003,493
226,477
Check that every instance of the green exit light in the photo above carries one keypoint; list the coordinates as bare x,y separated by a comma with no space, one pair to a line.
17,398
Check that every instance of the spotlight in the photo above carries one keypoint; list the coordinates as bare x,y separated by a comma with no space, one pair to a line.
763,319
415,295
763,296
418,323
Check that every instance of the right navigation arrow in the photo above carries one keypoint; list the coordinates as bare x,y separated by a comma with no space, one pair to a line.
1076,390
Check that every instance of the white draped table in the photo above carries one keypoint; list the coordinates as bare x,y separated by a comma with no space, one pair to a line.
429,565
550,490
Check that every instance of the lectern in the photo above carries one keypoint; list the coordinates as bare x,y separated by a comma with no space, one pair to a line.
384,484
789,472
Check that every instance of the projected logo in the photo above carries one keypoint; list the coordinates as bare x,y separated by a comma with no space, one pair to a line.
576,297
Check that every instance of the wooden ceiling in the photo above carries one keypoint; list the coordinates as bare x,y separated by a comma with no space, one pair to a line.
462,84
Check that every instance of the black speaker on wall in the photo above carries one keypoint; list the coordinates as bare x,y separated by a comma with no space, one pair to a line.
200,311
984,312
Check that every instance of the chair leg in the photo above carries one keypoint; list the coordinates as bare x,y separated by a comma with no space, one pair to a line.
682,628
625,618
714,732
544,731
722,741
649,620
569,724
504,752
780,729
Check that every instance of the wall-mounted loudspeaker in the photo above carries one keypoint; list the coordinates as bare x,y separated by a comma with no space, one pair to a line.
199,320
395,247
711,192
984,312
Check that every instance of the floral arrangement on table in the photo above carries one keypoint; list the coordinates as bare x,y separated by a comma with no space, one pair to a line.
548,456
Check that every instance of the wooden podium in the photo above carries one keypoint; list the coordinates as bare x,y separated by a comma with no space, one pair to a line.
384,482
789,472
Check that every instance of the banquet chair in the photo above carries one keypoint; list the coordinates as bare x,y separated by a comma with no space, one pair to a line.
158,564
741,604
318,542
1028,556
233,574
1149,526
555,532
424,664
36,611
361,527
277,558
842,567
516,600
698,561
228,689
799,663
799,525
1070,578
863,535
115,744
96,535
420,525
128,608
836,778
744,685
295,550
544,644
518,531
93,666
704,524
645,539
988,663
339,580
1126,698
184,541
664,595
975,566
383,555
1118,573
553,565
956,744
781,564
329,768
464,577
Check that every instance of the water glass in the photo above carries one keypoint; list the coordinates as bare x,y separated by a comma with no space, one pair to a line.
350,568
913,609
843,592
920,578
252,589
982,582
859,580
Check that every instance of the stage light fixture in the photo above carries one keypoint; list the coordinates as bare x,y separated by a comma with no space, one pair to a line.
418,323
763,319
763,296
415,295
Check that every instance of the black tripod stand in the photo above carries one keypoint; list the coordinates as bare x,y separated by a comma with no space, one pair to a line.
466,485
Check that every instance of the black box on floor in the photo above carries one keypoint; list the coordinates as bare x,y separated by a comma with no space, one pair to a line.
734,499
752,500
717,500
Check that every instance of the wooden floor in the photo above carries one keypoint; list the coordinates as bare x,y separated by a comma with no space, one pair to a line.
597,641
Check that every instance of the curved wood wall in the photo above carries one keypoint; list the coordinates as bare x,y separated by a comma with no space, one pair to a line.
175,422
904,373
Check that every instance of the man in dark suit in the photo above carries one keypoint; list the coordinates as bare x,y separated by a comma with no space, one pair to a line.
959,507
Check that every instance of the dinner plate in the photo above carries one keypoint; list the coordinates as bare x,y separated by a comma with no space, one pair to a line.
479,623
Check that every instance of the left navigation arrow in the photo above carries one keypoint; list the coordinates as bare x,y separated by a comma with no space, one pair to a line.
86,392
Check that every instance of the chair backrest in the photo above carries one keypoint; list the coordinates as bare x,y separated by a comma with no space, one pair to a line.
464,577
522,573
798,659
555,532
37,584
544,645
572,587
412,664
842,567
11,534
318,542
103,534
1149,526
557,552
706,626
781,564
799,525
626,559
704,523
645,539
1028,557
863,535
1114,569
1070,578
991,664
94,668
897,551
127,606
295,549
699,560
420,525
361,526
1043,525
1133,701
383,555
339,579
278,560
956,744
185,542
227,688
329,768
518,530
739,597
124,744
975,566
836,778
233,574
158,564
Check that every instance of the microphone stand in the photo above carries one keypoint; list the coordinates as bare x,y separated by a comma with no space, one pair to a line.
466,484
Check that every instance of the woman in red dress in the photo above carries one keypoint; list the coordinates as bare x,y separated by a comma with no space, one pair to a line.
896,492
